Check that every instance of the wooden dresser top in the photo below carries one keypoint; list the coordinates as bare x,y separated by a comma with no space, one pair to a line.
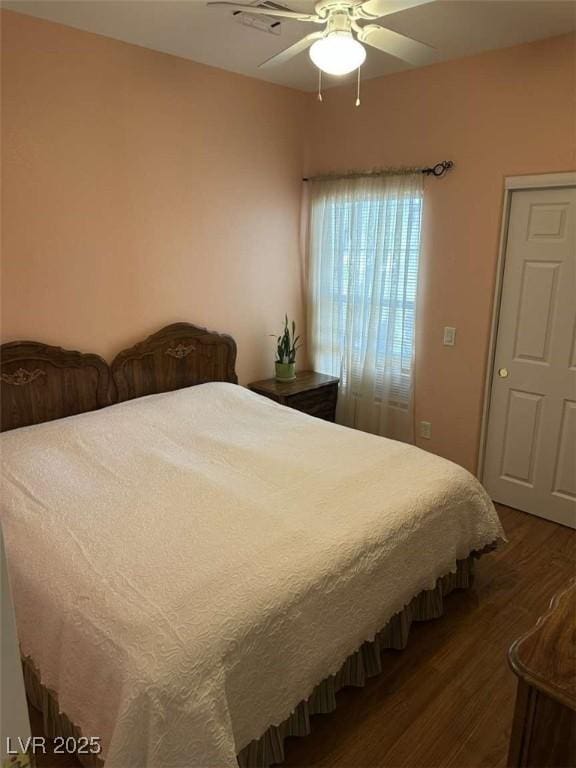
304,382
545,657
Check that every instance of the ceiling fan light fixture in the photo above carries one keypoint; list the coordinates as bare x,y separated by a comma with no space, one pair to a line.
338,53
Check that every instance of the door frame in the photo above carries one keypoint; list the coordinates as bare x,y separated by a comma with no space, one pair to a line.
511,184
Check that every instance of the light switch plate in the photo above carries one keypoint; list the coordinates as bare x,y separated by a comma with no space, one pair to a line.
426,429
449,338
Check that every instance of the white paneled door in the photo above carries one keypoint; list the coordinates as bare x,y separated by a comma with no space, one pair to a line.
530,460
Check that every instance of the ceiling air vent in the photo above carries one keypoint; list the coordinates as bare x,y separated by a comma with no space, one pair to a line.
270,25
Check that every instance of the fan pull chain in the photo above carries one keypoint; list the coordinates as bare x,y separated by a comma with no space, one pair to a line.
358,89
319,85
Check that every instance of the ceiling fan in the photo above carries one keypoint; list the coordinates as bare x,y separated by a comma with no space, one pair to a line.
335,50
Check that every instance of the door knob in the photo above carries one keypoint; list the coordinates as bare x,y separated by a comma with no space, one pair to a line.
503,373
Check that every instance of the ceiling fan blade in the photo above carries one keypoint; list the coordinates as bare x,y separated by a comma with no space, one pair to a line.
257,11
375,9
400,46
293,50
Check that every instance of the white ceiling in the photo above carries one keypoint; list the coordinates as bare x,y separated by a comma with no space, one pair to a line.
213,36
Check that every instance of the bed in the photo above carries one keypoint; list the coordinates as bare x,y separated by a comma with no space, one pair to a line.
197,569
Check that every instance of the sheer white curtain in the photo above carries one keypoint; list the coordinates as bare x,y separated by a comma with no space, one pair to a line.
364,253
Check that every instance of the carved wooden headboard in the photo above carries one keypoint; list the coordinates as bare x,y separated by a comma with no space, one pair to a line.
180,355
40,383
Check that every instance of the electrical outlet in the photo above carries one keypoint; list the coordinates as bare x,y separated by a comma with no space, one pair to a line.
449,338
426,429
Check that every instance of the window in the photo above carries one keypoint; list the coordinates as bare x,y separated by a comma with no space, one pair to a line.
364,257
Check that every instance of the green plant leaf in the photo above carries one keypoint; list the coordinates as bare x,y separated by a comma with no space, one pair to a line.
287,344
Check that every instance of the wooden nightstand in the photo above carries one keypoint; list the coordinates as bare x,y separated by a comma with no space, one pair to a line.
311,392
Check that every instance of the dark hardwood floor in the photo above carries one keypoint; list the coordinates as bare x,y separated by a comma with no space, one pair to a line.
447,699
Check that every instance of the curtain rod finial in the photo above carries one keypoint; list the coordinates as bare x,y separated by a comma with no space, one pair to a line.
439,169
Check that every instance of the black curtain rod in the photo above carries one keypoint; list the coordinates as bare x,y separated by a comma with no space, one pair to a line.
435,170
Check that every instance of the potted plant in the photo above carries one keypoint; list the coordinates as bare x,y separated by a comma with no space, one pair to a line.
288,344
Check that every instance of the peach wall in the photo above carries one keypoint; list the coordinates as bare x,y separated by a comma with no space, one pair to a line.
502,113
140,189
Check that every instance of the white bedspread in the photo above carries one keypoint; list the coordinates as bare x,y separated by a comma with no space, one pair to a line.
187,567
